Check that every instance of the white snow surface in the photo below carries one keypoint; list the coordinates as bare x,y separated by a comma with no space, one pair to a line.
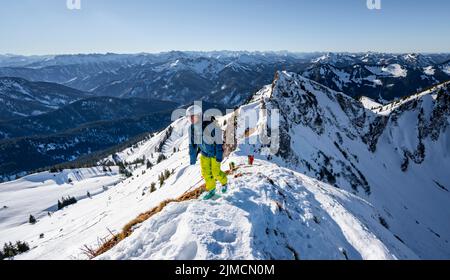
38,194
276,209
429,70
393,70
446,68
269,213
369,103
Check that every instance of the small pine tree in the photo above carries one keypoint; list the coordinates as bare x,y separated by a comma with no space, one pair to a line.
149,164
152,187
161,157
54,170
124,170
405,163
88,194
32,220
166,174
22,247
383,222
161,179
66,201
121,167
9,250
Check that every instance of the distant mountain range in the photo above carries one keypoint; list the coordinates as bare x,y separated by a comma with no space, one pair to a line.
23,154
61,108
380,77
22,98
231,77
91,110
80,128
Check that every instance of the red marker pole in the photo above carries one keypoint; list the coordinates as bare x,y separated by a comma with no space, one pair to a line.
251,158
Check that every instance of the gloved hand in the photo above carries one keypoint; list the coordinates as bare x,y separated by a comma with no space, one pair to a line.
193,159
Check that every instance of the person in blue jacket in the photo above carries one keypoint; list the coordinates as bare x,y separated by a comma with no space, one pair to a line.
205,137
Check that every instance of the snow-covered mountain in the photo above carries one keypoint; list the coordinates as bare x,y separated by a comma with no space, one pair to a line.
347,182
369,103
10,60
383,81
22,98
76,130
230,78
393,158
83,112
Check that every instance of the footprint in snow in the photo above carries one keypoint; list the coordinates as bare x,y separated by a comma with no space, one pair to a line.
188,251
224,236
222,223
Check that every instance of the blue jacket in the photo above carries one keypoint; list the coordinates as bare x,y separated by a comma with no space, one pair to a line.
207,150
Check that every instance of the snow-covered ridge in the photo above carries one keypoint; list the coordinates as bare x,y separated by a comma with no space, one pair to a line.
270,213
391,160
446,68
394,70
22,98
369,103
391,106
260,184
345,183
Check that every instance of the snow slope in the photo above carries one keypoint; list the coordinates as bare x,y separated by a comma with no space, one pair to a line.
345,182
269,213
394,70
91,220
398,162
39,193
369,103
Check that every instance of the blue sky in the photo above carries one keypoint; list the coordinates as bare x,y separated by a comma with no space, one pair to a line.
48,27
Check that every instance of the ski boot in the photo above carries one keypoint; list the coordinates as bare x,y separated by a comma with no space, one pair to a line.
210,194
224,189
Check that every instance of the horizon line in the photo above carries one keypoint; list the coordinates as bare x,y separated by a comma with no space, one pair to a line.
230,51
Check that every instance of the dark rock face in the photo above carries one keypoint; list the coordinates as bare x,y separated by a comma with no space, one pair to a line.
307,107
439,117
